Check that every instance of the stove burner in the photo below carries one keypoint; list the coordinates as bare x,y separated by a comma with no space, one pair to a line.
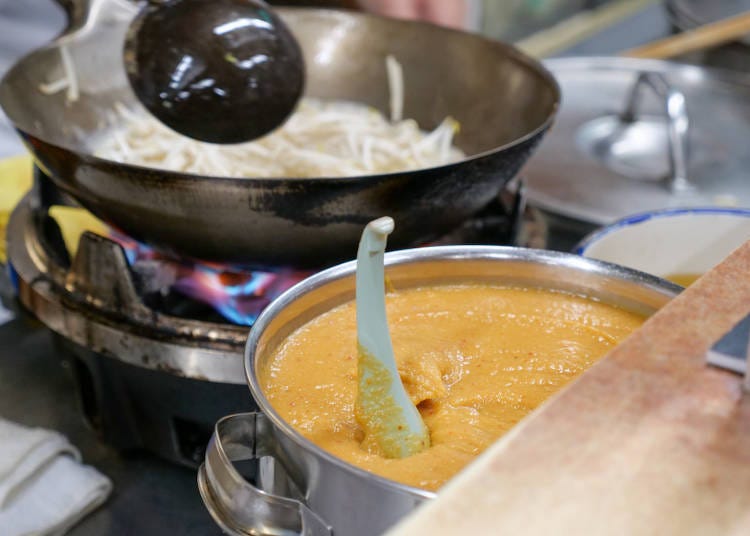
237,293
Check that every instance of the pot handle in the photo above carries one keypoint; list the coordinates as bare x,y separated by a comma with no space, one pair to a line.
238,507
677,125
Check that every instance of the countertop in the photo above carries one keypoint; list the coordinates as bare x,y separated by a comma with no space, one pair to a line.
150,496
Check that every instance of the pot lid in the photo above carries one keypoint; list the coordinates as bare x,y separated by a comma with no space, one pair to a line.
635,135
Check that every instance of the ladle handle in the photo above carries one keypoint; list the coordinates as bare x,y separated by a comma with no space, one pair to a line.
677,125
237,506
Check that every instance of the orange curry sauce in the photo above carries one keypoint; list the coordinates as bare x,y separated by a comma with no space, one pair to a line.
474,359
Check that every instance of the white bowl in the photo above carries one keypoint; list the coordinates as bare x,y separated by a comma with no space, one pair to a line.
678,244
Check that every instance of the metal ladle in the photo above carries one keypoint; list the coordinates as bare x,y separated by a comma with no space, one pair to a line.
383,408
220,71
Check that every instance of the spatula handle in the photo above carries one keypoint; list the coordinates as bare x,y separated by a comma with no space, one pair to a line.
703,37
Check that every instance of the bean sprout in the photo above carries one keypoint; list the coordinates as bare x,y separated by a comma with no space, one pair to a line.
69,80
320,139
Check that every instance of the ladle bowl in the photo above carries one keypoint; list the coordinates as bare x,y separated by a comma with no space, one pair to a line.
224,71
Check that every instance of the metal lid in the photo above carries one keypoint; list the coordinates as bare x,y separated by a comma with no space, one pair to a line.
636,135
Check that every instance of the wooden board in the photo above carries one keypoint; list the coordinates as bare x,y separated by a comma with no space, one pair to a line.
648,441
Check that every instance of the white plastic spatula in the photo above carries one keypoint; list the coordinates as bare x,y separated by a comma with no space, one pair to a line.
383,408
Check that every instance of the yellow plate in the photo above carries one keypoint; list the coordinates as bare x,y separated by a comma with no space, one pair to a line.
15,181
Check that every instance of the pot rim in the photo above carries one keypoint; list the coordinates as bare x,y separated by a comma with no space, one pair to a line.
407,256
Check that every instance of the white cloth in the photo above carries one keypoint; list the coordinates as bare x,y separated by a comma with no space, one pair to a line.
44,489
5,315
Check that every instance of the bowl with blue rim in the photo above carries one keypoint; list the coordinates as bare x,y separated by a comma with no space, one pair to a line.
678,244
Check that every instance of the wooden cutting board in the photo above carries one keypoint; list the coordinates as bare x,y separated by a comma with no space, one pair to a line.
650,440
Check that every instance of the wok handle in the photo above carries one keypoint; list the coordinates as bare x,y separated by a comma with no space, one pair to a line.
677,125
237,506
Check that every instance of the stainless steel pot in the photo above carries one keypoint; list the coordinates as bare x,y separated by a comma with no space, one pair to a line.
324,495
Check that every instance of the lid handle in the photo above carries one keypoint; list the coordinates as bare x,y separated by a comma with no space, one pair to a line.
677,125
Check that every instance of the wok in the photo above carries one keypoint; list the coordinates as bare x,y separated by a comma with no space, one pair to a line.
503,100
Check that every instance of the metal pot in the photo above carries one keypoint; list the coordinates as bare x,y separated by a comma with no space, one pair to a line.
504,101
324,495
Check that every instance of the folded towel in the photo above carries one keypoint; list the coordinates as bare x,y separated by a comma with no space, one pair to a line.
5,314
44,489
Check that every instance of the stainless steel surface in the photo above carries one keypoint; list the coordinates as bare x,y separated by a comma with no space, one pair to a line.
94,304
503,100
677,125
349,499
571,176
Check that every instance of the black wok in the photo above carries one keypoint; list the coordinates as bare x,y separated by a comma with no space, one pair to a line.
503,100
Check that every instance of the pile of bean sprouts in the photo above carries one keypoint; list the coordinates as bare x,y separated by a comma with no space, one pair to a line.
320,139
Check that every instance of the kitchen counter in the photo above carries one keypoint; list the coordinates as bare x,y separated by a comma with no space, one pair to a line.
150,496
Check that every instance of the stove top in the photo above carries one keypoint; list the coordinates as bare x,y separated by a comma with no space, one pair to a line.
155,342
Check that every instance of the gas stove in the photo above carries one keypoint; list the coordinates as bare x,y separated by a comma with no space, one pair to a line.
156,342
